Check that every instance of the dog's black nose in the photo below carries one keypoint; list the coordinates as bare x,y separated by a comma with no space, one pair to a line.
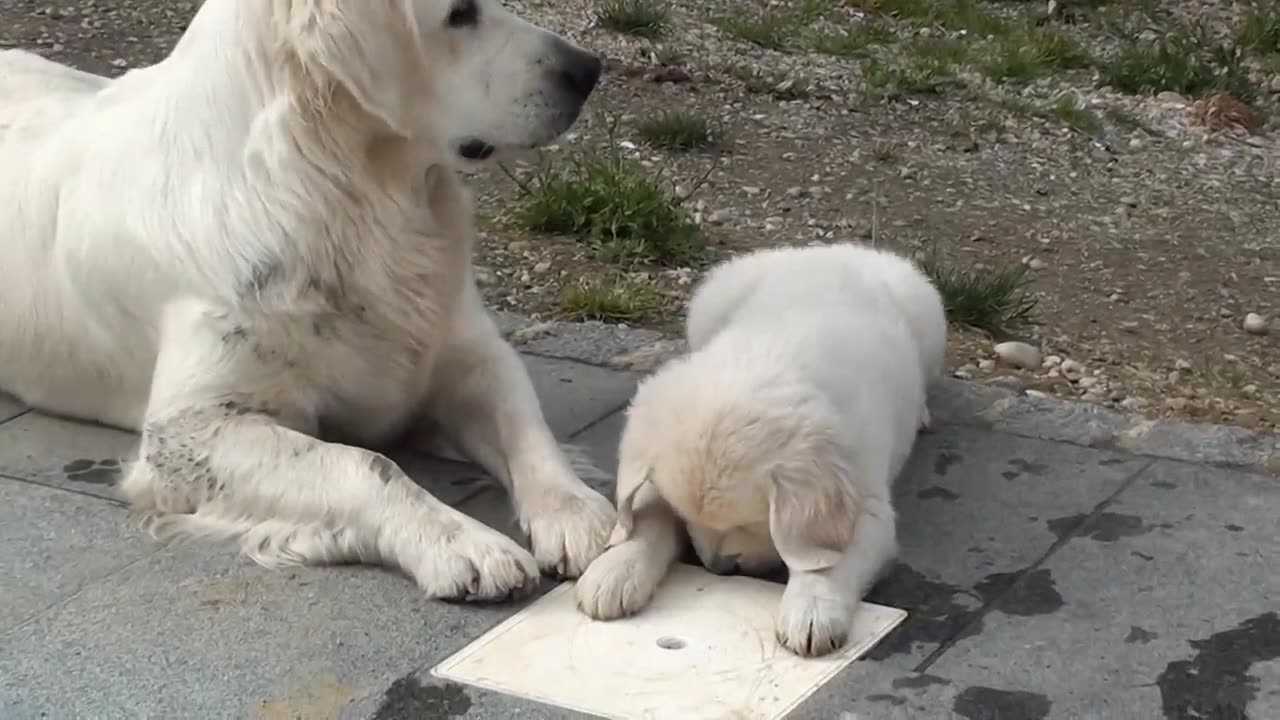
578,71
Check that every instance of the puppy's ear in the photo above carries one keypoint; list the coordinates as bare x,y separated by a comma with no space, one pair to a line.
370,47
813,511
635,487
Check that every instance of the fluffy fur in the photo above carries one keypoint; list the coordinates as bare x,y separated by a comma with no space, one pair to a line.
777,439
261,241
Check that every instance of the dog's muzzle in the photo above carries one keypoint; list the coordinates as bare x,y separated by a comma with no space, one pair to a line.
576,71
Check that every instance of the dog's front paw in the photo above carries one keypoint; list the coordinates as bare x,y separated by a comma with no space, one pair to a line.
568,528
620,582
476,564
812,619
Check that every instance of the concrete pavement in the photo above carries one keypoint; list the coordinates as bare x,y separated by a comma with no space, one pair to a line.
1058,561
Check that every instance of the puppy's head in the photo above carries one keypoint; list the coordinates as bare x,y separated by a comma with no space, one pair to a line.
751,467
466,75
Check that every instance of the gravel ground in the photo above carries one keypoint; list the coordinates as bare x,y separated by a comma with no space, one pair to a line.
1150,240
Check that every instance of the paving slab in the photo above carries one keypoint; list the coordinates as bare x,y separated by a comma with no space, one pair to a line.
61,453
10,408
55,544
575,395
1164,604
972,511
196,631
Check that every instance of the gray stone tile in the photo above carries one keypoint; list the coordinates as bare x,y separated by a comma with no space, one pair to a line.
420,696
9,407
61,453
1163,605
879,692
971,508
196,631
55,543
599,443
575,395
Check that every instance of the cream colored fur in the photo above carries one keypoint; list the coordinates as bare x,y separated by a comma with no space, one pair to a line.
777,439
261,241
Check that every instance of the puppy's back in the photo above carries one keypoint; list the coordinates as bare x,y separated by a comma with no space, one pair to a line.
770,285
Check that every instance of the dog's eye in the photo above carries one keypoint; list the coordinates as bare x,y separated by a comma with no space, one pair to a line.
465,13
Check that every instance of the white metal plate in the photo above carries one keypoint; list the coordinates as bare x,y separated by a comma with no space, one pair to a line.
727,663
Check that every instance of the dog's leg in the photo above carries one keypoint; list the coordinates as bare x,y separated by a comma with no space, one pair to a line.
217,458
482,398
622,581
816,613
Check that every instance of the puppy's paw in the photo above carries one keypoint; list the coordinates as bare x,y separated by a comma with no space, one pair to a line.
476,564
620,582
568,528
812,619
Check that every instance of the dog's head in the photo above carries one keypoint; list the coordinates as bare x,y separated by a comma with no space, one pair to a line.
465,75
757,479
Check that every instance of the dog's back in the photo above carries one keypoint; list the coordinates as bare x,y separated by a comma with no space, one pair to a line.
33,89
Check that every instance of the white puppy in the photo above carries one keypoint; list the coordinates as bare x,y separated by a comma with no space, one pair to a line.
261,241
778,438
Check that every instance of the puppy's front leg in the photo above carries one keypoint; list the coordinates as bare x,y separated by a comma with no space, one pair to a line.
481,397
817,609
622,581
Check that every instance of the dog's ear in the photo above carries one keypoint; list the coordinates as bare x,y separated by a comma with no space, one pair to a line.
813,511
372,48
635,487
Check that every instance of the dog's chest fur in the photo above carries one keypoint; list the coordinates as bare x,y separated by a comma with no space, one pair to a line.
361,330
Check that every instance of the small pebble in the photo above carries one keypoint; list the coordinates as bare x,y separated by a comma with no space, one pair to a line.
1072,369
1255,324
1018,354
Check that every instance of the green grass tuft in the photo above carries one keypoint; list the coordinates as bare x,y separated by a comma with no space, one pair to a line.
621,301
1185,61
995,300
679,131
616,207
1259,31
641,18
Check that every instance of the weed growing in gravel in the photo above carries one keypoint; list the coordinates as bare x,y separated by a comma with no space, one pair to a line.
1028,54
853,43
641,18
930,70
995,300
1184,61
954,15
1074,114
679,131
620,301
775,29
777,86
1259,31
884,151
621,210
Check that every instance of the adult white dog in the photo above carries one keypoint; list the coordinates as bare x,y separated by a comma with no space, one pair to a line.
261,241
778,438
